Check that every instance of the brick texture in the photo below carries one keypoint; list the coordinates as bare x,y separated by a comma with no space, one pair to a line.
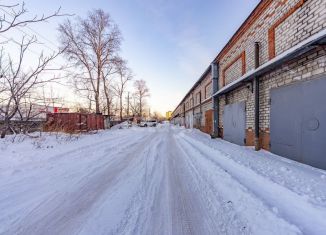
280,25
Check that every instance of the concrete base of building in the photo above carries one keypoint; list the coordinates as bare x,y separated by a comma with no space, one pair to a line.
250,137
264,139
214,135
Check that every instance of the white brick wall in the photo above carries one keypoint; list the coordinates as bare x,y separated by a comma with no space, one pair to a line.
234,72
306,21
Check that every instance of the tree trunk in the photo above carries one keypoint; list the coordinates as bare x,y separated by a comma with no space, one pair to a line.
89,105
140,108
4,129
128,106
3,133
108,106
108,103
97,103
120,108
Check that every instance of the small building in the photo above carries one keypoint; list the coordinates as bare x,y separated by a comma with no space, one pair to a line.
268,83
168,115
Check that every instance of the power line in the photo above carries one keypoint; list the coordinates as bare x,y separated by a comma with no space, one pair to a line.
12,15
65,69
41,36
38,54
19,44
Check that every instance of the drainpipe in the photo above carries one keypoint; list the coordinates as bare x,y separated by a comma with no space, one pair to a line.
215,78
256,86
200,108
193,110
184,114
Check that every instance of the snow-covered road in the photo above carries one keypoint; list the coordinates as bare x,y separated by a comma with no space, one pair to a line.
163,180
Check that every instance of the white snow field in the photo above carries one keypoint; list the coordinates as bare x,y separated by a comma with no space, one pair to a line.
164,180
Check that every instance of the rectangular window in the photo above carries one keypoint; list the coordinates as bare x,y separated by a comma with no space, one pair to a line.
198,98
208,91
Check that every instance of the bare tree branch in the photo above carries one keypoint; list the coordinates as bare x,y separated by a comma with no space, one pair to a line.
17,11
17,83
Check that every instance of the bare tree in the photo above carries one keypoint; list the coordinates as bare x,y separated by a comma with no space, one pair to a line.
158,116
134,106
17,83
91,44
141,93
31,110
84,91
128,104
109,96
109,70
125,75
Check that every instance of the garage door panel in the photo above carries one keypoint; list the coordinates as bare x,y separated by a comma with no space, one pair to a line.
234,123
285,123
314,123
298,122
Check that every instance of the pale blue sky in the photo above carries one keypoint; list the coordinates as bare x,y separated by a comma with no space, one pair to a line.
168,43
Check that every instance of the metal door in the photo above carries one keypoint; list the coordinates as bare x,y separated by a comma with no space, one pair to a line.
191,120
298,122
197,120
234,123
285,122
208,121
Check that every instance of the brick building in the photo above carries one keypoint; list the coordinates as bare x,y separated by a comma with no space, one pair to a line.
195,110
269,83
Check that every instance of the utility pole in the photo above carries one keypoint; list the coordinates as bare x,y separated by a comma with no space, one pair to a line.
128,103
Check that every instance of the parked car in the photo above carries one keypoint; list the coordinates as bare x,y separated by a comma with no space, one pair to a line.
150,123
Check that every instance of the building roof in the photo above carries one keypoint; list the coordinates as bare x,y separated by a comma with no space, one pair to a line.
201,78
254,15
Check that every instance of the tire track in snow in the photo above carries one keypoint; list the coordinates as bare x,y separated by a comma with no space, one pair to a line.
198,199
302,179
144,212
20,189
302,214
64,213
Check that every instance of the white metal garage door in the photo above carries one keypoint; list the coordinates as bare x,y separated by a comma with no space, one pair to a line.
298,122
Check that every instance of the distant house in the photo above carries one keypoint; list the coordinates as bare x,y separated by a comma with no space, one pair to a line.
168,115
37,112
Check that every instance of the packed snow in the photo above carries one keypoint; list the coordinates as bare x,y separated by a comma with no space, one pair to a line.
163,180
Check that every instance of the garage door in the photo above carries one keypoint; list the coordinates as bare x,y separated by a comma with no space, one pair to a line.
234,123
208,121
298,122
